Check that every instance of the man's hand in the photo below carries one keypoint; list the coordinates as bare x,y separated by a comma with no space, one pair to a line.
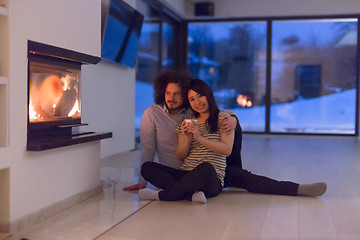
134,187
228,124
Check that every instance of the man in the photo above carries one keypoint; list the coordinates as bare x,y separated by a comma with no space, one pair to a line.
157,135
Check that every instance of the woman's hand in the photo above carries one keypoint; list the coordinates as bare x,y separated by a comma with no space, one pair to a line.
185,128
193,128
184,140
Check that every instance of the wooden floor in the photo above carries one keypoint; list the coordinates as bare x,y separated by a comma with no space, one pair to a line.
242,215
235,213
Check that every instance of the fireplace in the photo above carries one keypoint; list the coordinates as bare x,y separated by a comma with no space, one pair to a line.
54,97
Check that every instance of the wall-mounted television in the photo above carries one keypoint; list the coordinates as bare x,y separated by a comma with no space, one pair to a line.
121,28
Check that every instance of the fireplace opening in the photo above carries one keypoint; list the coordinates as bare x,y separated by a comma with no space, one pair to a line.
54,91
54,97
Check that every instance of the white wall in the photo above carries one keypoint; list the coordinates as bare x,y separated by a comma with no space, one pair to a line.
179,7
39,179
109,103
252,8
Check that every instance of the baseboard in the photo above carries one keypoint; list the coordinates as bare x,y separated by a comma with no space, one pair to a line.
47,212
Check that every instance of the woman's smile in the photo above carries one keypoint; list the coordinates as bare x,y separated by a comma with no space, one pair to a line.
198,102
200,106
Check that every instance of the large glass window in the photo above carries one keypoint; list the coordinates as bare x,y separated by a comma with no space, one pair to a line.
313,76
167,44
231,58
148,62
156,53
308,85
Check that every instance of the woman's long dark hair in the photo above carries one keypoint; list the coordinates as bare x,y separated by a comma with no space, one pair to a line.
203,89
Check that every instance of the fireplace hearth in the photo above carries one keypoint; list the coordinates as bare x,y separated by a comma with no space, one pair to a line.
54,97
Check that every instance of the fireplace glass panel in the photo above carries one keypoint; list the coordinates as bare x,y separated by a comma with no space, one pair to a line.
54,92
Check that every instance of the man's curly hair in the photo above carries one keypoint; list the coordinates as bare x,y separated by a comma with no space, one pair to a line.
161,81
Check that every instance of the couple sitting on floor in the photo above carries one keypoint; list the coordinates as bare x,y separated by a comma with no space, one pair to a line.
197,148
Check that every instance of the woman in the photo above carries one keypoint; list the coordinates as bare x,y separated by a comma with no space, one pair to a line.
203,150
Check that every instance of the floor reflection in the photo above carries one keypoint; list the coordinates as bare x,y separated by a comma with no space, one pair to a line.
97,215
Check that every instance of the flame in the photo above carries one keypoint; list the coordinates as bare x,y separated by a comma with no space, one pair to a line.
36,113
32,113
65,80
244,101
75,109
48,101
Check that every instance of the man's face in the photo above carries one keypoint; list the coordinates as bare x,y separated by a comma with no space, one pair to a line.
173,97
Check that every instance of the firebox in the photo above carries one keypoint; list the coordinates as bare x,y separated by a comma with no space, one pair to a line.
54,91
54,97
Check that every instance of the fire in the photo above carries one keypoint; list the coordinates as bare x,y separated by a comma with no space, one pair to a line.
244,101
56,96
32,113
75,109
66,80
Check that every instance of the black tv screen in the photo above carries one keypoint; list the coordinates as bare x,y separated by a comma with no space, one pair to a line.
121,28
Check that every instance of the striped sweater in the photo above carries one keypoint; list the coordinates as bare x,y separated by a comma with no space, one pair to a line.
199,153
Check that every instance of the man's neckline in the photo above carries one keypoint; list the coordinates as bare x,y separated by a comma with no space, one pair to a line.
182,110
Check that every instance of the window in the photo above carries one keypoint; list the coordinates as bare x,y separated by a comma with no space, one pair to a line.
156,53
296,76
148,62
307,86
167,44
313,80
231,58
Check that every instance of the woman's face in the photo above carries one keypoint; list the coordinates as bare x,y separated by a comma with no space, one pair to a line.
198,103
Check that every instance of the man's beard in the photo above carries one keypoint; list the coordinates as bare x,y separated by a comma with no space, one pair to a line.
171,105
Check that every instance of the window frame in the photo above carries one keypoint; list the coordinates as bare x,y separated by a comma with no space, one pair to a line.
165,16
269,21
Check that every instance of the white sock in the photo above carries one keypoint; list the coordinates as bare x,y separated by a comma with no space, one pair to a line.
148,194
199,197
312,190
